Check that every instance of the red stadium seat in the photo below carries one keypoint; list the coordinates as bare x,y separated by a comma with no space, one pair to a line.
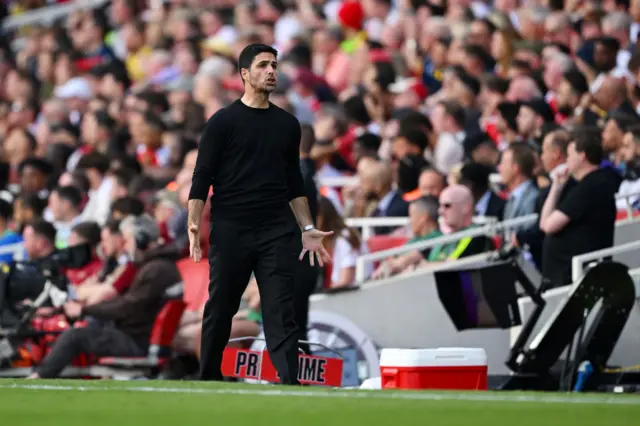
384,242
162,334
195,277
622,214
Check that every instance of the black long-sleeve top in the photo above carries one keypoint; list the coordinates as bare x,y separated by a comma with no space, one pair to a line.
251,157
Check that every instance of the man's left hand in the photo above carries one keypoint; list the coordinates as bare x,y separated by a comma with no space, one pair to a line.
73,309
312,243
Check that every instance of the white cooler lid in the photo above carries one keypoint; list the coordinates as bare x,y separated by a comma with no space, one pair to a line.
439,357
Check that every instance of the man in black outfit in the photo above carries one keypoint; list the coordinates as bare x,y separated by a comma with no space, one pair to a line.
249,152
583,220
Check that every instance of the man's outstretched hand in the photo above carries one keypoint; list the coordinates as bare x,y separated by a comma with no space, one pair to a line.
312,243
195,251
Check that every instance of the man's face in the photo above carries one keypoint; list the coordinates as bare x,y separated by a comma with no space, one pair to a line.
604,59
57,206
565,98
611,136
130,246
575,159
628,148
450,211
34,244
430,183
263,75
32,179
506,168
550,156
526,120
111,243
417,218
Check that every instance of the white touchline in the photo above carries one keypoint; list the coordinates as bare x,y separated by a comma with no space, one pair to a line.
424,396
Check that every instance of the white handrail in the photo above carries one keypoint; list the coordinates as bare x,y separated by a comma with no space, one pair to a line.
577,262
367,224
489,229
338,181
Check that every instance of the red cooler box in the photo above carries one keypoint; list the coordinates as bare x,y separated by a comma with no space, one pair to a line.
442,368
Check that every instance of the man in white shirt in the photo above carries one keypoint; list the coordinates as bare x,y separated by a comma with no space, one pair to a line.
448,118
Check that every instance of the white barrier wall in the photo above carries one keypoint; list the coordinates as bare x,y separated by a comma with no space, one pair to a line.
405,312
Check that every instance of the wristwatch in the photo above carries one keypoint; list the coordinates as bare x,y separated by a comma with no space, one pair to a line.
308,228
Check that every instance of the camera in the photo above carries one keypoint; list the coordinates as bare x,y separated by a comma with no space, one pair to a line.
42,281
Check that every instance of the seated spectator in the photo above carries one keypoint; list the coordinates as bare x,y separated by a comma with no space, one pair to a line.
584,220
630,155
7,236
117,272
475,176
65,203
344,245
27,208
456,211
431,182
128,318
95,166
377,184
423,217
39,239
126,206
85,233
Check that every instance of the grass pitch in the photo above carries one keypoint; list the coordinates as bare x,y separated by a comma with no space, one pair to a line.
157,403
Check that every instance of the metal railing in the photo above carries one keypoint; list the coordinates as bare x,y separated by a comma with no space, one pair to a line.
489,229
368,224
581,262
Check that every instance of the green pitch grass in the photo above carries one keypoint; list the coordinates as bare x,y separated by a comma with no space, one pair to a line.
158,403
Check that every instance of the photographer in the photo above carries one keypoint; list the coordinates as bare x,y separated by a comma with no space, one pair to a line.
132,313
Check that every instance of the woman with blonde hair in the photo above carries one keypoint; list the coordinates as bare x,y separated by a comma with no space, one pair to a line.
345,245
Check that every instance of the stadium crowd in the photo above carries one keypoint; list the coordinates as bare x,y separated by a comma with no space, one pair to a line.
422,100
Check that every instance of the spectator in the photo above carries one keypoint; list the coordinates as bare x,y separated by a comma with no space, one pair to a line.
376,182
431,182
584,220
85,233
132,314
630,156
516,170
448,118
475,176
27,208
39,239
456,211
7,236
65,202
423,219
126,206
95,166
345,245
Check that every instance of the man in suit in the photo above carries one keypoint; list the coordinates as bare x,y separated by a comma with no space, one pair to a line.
475,176
377,184
516,170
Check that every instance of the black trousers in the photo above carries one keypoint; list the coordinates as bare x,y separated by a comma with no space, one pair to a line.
306,281
94,340
235,252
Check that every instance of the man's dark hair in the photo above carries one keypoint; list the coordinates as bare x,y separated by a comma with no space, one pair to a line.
455,110
6,210
90,231
590,145
113,226
476,177
31,200
369,141
524,157
409,170
44,229
623,120
71,194
415,119
355,110
105,121
307,139
128,206
250,52
94,160
80,180
123,177
415,137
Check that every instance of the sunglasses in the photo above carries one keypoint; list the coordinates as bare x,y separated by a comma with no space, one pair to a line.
446,205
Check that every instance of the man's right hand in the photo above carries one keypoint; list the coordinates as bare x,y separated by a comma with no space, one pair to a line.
195,251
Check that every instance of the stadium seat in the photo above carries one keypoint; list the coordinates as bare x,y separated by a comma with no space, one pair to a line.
162,334
384,242
195,277
622,214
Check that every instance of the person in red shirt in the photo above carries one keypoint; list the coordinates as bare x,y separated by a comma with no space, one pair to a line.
85,233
